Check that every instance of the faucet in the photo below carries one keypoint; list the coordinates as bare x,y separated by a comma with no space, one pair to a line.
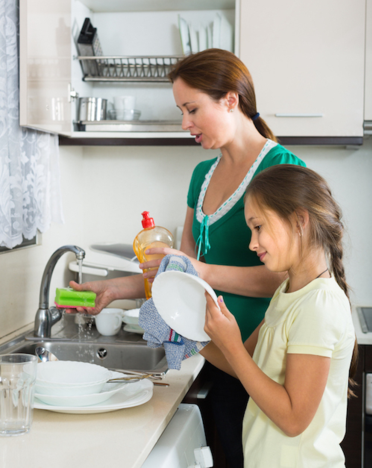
47,316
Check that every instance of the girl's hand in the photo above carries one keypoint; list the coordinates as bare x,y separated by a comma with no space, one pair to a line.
221,325
157,255
104,296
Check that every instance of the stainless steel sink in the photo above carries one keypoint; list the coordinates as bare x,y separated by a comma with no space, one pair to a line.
112,355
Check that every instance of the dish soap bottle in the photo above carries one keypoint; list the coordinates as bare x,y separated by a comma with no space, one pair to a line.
150,237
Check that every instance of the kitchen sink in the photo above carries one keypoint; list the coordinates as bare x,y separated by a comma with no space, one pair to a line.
112,355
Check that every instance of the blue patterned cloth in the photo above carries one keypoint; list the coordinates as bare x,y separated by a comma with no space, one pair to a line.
157,332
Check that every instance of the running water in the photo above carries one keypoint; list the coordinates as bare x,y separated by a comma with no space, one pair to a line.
80,263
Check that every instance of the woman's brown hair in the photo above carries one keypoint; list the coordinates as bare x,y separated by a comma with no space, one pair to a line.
216,72
287,188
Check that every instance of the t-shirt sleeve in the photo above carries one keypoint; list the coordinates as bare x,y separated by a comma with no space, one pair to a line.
279,155
318,325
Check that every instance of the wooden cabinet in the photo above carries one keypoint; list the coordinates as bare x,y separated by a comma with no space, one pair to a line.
307,64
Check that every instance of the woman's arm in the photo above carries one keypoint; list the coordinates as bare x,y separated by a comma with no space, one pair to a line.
128,287
290,406
187,241
255,281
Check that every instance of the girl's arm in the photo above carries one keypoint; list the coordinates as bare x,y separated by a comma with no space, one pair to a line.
290,406
215,356
256,281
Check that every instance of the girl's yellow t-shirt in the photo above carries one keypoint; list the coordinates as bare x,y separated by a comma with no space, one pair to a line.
314,320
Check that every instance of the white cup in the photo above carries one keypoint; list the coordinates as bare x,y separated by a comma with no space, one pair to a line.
124,102
108,321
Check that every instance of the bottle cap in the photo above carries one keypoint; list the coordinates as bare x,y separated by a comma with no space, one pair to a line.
147,222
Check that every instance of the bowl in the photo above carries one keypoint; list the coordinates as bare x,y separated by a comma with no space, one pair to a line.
80,400
64,378
131,316
127,114
180,300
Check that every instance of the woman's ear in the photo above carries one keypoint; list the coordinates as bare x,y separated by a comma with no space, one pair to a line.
231,100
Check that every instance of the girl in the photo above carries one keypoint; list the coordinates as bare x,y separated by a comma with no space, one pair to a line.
295,365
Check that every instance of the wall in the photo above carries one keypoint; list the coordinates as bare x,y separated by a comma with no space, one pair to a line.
21,270
123,181
106,189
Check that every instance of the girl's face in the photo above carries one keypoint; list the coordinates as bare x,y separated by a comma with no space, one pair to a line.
272,238
209,121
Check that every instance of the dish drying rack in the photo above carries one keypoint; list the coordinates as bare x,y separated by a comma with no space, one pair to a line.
128,68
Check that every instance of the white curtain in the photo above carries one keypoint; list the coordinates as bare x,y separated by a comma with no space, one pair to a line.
30,196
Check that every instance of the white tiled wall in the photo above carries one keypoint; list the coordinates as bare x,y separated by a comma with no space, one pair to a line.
105,189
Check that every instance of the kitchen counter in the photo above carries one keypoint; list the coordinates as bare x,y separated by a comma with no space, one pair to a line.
362,338
122,438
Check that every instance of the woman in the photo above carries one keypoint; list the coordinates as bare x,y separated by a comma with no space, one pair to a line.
215,93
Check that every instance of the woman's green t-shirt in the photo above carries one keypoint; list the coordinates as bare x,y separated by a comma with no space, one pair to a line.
229,239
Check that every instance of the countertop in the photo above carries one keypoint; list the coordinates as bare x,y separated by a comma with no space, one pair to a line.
122,438
362,338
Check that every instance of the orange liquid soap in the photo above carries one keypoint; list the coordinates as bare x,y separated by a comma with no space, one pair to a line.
150,237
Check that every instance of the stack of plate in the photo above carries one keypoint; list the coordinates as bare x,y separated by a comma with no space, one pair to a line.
217,34
131,318
80,387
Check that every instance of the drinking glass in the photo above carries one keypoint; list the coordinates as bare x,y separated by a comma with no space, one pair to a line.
17,385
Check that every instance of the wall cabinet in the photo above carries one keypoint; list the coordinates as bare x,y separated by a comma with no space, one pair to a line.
307,64
307,61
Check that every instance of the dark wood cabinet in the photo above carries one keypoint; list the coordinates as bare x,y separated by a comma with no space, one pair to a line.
352,443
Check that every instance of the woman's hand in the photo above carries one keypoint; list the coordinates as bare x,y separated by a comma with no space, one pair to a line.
153,264
221,325
104,291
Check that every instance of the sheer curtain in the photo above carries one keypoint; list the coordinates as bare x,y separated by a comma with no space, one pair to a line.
30,195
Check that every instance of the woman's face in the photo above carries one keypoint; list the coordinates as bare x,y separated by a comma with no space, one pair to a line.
209,121
272,238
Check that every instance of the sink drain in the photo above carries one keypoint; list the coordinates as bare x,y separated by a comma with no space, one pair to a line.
102,353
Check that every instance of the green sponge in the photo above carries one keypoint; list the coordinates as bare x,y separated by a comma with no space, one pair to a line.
69,298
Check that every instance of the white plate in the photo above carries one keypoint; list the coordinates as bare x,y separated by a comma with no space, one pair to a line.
202,39
185,37
210,36
134,329
216,31
107,392
226,37
180,300
193,40
118,401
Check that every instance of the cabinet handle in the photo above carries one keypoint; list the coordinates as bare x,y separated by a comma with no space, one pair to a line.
298,115
203,392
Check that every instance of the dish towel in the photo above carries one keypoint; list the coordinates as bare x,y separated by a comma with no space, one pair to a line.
157,332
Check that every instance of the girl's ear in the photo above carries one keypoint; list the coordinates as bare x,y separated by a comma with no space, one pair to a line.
232,100
302,220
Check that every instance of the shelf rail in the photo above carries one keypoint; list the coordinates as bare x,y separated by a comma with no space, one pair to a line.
128,68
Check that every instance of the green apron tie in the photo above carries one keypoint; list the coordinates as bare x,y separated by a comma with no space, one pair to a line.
204,229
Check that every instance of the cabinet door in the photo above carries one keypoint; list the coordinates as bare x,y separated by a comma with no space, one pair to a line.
368,78
45,65
307,63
